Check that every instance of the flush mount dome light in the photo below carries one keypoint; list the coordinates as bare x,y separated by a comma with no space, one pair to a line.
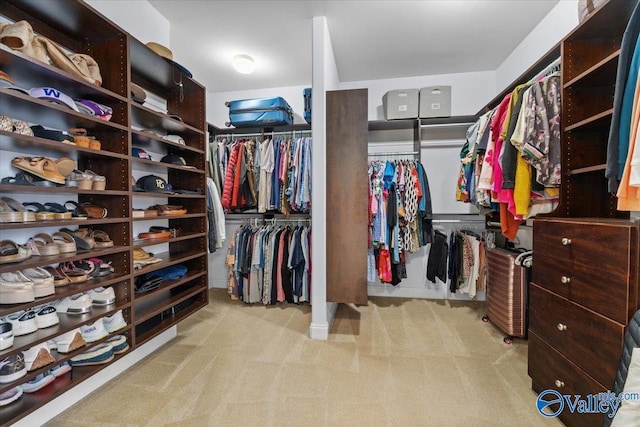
244,64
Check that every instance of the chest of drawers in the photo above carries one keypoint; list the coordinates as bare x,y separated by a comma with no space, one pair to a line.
584,291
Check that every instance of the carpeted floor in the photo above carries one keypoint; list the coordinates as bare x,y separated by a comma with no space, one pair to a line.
396,362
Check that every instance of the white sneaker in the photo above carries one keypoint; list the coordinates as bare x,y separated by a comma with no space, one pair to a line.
23,322
42,281
118,343
10,395
102,296
46,316
114,322
67,342
75,304
38,356
16,288
6,335
39,382
93,331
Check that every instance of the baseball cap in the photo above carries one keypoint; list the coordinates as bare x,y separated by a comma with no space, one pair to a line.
174,138
53,95
173,159
138,94
152,184
7,82
140,153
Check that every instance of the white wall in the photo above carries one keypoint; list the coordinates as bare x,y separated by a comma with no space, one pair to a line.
558,23
469,91
137,17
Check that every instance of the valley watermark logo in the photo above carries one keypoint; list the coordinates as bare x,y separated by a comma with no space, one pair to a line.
551,403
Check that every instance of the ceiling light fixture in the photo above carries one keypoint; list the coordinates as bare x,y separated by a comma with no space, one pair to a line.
244,64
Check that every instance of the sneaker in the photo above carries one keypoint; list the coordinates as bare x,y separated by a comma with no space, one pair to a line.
60,370
6,335
102,296
118,343
67,342
23,322
16,288
41,381
75,304
114,322
98,355
12,367
94,331
46,316
38,356
42,281
10,395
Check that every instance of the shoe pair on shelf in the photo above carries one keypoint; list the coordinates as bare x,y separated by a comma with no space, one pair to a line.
87,180
25,285
20,127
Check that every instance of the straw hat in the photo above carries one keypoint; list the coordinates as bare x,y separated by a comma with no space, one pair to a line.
166,53
163,51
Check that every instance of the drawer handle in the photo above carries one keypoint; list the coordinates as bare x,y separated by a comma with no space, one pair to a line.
565,279
561,327
566,241
559,383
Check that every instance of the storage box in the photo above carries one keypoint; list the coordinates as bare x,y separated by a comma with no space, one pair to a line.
401,104
435,101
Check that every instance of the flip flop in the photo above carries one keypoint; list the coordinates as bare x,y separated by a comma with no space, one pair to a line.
39,166
102,239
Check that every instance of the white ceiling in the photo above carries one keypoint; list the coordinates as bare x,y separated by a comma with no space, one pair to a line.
371,39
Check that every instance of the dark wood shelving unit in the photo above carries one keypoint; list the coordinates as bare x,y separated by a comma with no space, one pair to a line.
123,60
572,304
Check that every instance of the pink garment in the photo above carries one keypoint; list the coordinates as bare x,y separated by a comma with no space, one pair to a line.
280,290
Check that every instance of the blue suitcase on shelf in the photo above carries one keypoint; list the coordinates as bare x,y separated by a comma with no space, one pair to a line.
259,112
307,104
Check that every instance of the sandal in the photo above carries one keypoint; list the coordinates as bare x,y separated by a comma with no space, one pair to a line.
102,239
77,211
58,210
12,252
16,210
87,267
95,211
78,179
43,245
105,268
21,178
99,181
170,210
82,233
80,137
65,165
41,212
72,274
41,167
66,243
58,278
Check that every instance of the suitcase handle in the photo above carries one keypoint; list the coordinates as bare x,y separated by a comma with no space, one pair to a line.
226,104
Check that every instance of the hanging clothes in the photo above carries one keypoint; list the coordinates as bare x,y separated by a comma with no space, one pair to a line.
270,264
510,162
400,217
273,175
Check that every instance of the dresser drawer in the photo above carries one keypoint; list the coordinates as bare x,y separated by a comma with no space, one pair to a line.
603,245
588,339
593,288
549,370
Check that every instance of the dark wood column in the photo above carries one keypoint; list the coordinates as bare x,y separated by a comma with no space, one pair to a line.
347,196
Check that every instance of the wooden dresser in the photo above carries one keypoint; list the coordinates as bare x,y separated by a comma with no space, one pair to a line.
584,290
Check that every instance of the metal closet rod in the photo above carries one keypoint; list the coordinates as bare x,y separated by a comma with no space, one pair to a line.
394,153
291,132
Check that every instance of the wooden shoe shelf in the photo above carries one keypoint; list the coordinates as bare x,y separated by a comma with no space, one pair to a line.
123,60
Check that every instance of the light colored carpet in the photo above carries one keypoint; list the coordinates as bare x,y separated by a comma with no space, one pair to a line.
396,362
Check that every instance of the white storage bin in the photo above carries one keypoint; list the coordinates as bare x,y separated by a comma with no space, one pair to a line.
435,101
401,104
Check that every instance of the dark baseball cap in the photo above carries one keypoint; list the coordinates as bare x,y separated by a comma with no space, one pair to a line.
152,184
173,159
140,153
